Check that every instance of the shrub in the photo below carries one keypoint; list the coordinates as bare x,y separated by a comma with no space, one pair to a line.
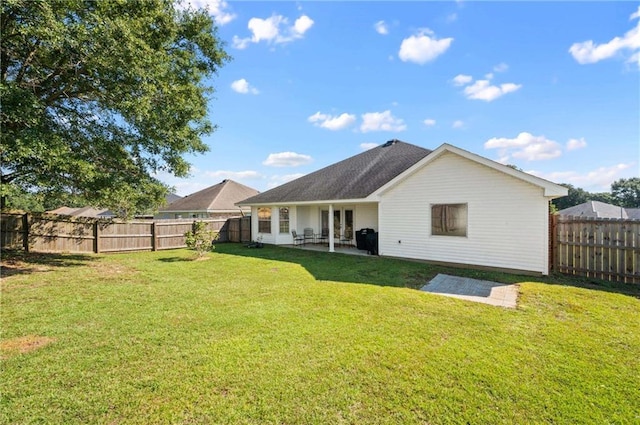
200,239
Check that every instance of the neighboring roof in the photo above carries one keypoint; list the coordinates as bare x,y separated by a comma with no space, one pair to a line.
83,212
172,197
599,209
221,197
353,178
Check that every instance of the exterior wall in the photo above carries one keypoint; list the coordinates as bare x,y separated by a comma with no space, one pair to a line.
507,218
274,237
366,217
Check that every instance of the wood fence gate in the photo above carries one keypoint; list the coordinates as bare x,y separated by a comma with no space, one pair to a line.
239,229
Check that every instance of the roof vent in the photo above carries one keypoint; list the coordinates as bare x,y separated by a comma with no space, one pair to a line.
390,143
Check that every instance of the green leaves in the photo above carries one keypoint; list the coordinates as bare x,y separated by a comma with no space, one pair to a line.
97,94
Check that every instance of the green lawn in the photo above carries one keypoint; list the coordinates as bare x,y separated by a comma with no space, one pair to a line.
285,336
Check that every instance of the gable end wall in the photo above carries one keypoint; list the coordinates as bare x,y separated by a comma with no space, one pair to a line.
507,217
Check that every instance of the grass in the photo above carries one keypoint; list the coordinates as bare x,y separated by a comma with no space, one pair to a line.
277,335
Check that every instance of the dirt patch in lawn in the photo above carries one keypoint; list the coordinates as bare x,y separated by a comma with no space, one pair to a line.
24,344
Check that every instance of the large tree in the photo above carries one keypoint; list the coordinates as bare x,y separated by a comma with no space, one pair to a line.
626,192
99,96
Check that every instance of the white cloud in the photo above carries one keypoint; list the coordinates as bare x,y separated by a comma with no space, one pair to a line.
461,79
216,8
277,180
589,52
331,122
452,18
483,90
275,29
243,86
501,67
381,121
574,144
595,180
457,124
525,146
423,47
302,25
381,27
287,159
429,122
367,146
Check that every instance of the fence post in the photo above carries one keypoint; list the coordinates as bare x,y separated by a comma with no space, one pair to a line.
96,237
25,232
154,241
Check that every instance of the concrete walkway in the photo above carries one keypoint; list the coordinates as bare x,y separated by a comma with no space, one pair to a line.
482,291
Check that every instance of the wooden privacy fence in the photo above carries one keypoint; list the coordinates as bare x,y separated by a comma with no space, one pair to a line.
55,233
239,229
601,248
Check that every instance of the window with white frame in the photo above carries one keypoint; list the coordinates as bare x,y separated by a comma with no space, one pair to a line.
449,219
284,220
264,220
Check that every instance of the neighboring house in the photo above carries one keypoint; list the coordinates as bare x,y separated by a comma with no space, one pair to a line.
447,205
83,212
172,197
597,209
217,201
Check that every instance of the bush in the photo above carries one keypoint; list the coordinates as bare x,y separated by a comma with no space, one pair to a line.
200,239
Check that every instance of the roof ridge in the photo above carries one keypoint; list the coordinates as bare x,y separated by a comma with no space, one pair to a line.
223,185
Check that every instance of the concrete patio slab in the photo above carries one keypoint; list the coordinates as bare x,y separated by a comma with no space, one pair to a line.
482,291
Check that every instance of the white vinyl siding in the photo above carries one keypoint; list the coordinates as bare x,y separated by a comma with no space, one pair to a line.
366,216
507,223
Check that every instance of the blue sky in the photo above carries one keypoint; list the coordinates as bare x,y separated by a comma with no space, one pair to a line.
551,87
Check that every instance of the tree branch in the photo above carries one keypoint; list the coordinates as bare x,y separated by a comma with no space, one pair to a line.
26,62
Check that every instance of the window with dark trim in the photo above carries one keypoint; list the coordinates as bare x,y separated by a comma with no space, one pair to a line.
264,220
284,219
449,219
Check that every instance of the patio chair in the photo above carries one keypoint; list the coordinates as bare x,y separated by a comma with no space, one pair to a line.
297,239
309,235
347,238
324,236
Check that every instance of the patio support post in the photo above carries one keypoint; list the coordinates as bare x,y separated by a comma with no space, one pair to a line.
331,245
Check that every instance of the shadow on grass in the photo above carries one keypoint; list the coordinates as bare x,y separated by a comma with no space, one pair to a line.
353,268
176,259
630,289
20,262
403,273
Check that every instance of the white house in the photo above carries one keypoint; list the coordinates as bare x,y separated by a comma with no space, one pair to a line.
447,205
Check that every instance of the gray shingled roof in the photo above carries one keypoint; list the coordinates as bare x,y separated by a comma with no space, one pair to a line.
220,197
353,178
595,209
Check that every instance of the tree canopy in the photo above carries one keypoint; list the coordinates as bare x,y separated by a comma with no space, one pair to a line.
99,96
627,192
624,193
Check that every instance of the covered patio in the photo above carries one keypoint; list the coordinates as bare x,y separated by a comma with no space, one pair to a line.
349,250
